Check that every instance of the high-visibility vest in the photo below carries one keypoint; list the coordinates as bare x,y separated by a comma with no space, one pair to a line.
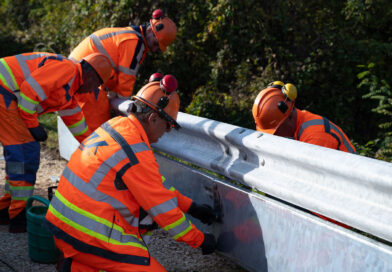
316,129
126,48
111,183
41,83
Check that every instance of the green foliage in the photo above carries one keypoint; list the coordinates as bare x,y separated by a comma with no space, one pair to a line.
226,51
379,90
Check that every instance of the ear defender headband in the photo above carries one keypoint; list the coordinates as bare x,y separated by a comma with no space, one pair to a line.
288,90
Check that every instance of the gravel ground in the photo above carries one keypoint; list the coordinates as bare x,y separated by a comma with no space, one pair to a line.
174,256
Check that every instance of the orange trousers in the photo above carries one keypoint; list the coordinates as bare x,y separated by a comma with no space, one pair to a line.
84,262
21,153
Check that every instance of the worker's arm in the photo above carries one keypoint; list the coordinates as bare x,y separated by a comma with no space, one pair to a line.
40,85
73,118
130,53
321,139
145,184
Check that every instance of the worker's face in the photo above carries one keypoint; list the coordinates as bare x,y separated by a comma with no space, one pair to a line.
157,126
288,127
91,81
152,41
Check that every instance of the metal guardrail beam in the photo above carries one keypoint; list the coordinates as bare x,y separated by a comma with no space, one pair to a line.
352,189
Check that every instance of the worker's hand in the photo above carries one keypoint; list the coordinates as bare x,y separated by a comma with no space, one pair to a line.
209,244
203,212
38,133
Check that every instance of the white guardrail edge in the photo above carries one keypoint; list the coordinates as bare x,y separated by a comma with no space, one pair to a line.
353,189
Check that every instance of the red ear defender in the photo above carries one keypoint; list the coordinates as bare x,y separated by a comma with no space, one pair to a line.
169,84
155,77
158,14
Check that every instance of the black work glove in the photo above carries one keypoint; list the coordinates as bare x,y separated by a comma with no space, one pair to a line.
209,244
39,133
203,212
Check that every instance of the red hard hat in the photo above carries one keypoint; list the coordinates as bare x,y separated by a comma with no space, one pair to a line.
155,77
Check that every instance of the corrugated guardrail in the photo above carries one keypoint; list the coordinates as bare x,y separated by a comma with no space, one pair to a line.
349,188
270,234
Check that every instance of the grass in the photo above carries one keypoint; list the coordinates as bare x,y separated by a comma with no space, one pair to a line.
49,122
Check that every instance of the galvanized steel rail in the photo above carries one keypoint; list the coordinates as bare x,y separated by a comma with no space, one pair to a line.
352,189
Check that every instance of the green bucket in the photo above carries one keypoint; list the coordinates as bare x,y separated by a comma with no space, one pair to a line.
41,243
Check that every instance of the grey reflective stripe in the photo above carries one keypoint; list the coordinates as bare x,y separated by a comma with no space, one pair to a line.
178,229
69,112
79,128
27,104
102,50
71,81
128,71
124,97
73,59
105,167
142,146
21,193
37,88
163,207
15,168
313,122
7,186
23,65
112,34
39,108
93,225
7,77
90,191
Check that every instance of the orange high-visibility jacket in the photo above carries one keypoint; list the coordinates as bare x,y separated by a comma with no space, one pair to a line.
109,185
318,130
126,49
44,82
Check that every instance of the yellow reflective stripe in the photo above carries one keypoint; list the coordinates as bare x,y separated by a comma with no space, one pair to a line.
163,179
77,123
172,189
183,232
4,81
95,218
175,224
26,109
28,99
10,73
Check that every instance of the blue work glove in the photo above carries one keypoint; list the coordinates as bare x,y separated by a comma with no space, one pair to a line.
209,244
203,212
39,133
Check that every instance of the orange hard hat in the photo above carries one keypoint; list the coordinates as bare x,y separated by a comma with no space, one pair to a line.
270,109
162,97
101,65
164,29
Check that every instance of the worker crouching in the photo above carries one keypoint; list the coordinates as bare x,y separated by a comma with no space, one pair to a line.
111,192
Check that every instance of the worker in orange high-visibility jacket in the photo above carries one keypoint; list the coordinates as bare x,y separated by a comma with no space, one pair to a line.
274,113
111,192
32,84
126,47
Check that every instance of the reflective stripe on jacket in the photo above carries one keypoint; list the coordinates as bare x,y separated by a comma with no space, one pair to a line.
41,83
125,47
110,184
318,130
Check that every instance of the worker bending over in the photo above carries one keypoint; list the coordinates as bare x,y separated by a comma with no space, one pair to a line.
274,113
126,47
32,84
111,191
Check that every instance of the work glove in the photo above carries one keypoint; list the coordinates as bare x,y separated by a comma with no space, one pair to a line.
203,212
38,133
209,244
